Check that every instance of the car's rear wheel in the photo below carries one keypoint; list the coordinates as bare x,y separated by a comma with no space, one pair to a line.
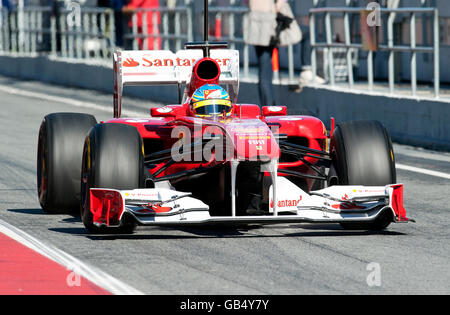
60,150
363,155
112,158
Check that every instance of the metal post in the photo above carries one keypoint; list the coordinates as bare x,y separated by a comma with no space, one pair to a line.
24,30
53,34
436,54
71,40
190,21
14,32
63,28
144,30
7,37
413,55
328,31
246,60
86,36
312,34
95,33
2,44
348,42
40,26
232,27
7,34
35,29
291,63
370,69
112,30
177,31
135,31
4,32
79,38
391,53
103,34
20,25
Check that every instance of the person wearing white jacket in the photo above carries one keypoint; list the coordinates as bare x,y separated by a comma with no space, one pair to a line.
260,29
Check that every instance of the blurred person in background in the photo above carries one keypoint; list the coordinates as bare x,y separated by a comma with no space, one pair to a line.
152,30
306,74
103,3
6,4
5,9
116,6
259,30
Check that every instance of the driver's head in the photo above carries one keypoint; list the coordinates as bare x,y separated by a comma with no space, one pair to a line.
211,100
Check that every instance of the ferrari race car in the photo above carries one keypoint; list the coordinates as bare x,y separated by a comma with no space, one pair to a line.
210,159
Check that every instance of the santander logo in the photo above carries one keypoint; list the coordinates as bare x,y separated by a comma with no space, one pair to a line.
287,203
130,62
157,208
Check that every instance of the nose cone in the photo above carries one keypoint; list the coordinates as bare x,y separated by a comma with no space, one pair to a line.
253,141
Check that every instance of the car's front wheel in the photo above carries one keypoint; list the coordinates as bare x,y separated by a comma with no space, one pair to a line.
363,155
113,158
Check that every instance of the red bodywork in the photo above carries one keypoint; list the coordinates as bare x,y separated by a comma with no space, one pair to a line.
158,132
252,132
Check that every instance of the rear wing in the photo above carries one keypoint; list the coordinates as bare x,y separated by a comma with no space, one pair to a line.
163,67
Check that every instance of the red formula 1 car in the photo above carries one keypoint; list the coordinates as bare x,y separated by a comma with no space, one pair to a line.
211,160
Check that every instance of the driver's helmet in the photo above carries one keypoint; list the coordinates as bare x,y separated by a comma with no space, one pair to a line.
211,100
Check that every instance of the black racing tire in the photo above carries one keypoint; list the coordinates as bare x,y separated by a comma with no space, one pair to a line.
60,150
363,155
112,158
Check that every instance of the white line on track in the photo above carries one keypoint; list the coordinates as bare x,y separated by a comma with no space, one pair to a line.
421,153
65,100
422,171
71,263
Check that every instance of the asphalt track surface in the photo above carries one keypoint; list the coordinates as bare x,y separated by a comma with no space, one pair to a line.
278,259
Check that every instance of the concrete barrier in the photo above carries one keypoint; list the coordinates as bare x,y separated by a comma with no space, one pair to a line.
413,121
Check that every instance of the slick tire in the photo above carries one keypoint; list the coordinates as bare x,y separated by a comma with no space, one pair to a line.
363,155
60,150
112,158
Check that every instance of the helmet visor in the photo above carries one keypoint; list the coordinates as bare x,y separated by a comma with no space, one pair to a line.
212,107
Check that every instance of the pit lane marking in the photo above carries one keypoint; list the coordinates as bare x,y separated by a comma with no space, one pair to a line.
67,101
90,273
422,171
421,154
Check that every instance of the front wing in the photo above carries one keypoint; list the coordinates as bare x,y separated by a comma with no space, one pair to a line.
337,204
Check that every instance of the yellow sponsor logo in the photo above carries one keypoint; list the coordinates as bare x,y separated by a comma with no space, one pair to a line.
254,137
